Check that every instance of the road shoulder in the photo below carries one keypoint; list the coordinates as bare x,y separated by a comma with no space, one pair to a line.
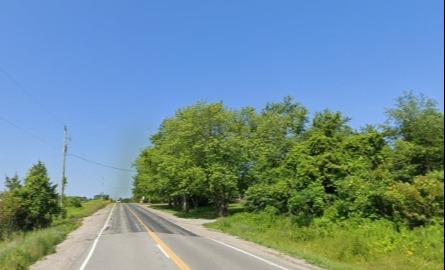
69,253
196,227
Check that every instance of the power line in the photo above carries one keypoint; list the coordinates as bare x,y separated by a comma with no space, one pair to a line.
27,132
52,146
118,187
30,96
55,117
100,164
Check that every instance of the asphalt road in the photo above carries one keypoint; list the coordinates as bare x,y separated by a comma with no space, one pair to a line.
135,237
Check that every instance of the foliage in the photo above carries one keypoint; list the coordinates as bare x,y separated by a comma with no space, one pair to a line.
73,202
23,249
29,206
198,154
13,184
350,244
418,204
260,196
39,198
417,128
204,212
277,128
28,248
280,161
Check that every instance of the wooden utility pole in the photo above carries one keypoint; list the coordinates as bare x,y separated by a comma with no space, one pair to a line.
64,151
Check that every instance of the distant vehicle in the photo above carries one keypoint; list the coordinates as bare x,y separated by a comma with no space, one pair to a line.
118,201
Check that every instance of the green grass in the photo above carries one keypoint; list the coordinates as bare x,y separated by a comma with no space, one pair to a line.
23,249
350,245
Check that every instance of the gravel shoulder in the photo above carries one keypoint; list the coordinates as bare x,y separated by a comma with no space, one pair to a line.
77,245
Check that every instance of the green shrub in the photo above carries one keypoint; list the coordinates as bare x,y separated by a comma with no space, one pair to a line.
73,202
23,249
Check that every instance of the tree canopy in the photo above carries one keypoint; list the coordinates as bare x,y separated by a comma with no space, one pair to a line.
30,205
281,159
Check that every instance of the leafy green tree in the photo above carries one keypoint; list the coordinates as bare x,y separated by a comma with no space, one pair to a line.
151,182
417,204
358,193
277,128
199,153
39,198
12,210
9,214
306,177
262,195
326,169
74,202
416,128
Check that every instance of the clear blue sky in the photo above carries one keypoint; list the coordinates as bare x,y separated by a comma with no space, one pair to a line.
111,71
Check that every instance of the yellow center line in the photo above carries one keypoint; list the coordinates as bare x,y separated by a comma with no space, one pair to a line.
182,265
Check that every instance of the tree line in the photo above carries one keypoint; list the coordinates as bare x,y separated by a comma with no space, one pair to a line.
282,161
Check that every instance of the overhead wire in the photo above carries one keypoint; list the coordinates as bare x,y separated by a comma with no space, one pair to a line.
100,164
56,118
52,146
27,132
30,96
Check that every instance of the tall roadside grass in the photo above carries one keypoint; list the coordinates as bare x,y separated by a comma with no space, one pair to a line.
349,245
23,249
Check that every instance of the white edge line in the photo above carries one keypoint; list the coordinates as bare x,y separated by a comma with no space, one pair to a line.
96,240
250,254
163,251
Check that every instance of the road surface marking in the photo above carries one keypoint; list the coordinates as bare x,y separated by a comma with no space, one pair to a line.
250,254
182,265
163,251
97,240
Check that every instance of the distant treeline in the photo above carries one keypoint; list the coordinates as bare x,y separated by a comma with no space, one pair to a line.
281,161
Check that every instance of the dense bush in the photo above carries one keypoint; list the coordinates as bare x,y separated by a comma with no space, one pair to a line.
322,168
29,206
73,202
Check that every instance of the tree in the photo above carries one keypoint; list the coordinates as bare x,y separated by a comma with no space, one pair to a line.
13,184
416,129
9,213
417,204
11,207
277,128
39,198
324,170
305,179
200,153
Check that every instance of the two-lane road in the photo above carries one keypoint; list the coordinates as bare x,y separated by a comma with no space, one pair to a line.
134,237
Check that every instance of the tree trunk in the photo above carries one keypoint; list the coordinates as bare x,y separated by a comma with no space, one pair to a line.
185,206
195,202
221,205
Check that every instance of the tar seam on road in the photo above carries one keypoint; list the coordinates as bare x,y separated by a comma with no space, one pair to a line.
96,241
182,265
168,220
